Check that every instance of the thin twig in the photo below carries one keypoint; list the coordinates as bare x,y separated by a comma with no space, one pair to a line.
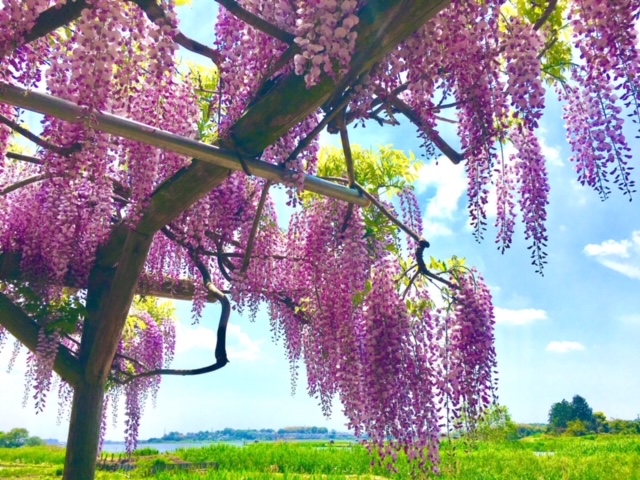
256,22
411,280
443,119
254,227
431,134
154,12
306,141
39,141
547,47
389,215
379,101
121,190
348,157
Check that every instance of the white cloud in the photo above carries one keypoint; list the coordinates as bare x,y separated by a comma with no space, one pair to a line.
450,183
551,154
622,256
609,247
631,319
565,347
240,346
435,229
523,316
243,347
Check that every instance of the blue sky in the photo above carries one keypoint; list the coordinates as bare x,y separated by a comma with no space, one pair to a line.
573,331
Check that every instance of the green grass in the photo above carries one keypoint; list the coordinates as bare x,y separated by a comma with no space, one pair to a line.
590,458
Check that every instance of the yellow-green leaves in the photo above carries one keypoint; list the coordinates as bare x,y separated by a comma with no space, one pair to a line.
205,81
160,311
556,56
386,170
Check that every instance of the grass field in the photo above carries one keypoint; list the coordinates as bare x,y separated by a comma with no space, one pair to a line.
546,458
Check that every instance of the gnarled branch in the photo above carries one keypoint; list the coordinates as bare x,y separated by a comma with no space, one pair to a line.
220,352
54,18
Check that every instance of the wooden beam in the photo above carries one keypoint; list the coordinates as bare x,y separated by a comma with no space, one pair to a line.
122,127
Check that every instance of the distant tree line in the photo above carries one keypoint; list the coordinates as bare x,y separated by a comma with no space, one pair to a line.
19,437
577,418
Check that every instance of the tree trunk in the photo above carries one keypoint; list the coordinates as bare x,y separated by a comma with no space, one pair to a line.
84,432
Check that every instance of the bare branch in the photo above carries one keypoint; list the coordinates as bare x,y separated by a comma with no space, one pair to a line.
254,227
390,215
422,267
434,137
545,15
444,119
346,147
256,22
381,98
549,45
23,183
39,141
174,238
132,360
